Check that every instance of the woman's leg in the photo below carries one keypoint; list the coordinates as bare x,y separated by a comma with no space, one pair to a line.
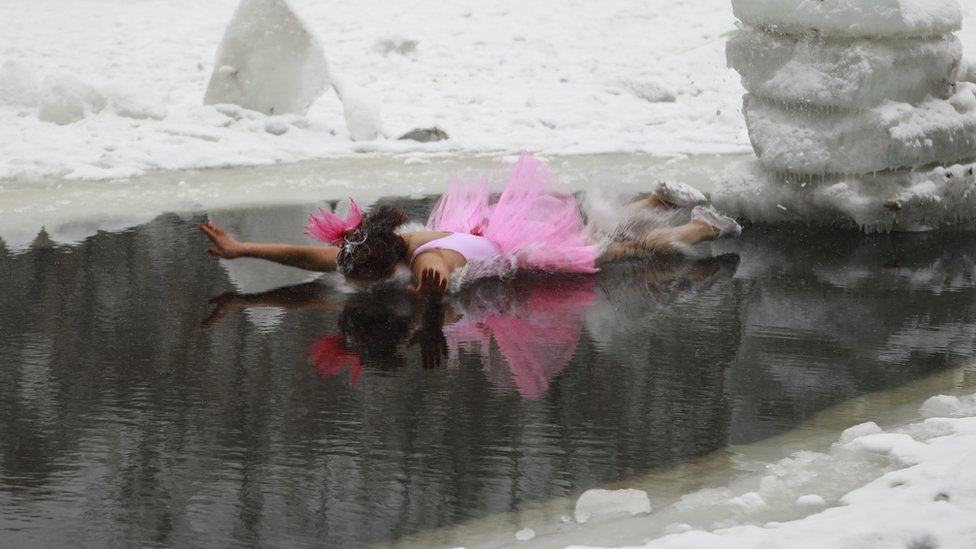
669,240
669,196
705,225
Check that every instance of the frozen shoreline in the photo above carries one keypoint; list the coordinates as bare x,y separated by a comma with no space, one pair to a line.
69,211
714,492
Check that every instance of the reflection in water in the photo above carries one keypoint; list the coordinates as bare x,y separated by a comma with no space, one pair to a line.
124,423
527,328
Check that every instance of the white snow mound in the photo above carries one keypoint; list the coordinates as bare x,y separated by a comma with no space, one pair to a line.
852,18
846,73
893,135
66,98
268,61
597,502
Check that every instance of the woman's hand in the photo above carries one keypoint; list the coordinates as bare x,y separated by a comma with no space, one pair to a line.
224,245
223,305
432,281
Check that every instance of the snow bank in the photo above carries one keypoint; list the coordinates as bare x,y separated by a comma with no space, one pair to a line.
918,489
905,200
844,73
817,141
497,78
268,61
852,18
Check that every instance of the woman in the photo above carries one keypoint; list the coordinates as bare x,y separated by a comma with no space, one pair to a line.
534,225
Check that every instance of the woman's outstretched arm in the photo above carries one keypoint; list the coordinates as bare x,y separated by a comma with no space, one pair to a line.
432,274
310,258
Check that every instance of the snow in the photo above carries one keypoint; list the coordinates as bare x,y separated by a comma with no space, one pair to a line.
929,198
910,486
845,73
852,18
601,503
551,77
893,135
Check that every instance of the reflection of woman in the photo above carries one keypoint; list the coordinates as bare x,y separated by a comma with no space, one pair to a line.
534,225
525,330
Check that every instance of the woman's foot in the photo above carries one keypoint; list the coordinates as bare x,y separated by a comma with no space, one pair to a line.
724,226
676,194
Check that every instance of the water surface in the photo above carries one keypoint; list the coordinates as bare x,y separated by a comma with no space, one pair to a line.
313,415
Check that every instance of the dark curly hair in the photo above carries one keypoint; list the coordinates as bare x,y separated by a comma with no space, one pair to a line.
373,329
372,251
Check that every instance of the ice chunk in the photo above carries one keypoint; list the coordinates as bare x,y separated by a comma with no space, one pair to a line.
66,98
844,73
896,446
858,431
18,85
940,406
361,112
596,502
749,502
268,61
525,534
935,198
811,501
893,135
852,18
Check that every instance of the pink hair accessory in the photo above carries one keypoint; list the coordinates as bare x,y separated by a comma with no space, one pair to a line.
329,227
330,356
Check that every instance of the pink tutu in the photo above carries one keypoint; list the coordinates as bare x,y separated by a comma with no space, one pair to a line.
536,328
535,222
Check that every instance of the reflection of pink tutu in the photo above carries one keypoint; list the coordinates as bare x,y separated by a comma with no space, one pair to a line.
535,222
536,332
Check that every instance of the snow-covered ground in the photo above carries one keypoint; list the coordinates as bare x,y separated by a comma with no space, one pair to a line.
550,76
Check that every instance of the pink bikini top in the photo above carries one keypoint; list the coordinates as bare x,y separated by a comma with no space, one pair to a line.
468,245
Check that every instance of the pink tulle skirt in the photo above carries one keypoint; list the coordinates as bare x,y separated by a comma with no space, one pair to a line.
535,221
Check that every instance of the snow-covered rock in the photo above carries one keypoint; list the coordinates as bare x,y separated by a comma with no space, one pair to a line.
903,200
18,85
597,502
852,18
268,61
816,141
65,98
847,73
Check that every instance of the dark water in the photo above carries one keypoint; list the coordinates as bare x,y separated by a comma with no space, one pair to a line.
342,419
